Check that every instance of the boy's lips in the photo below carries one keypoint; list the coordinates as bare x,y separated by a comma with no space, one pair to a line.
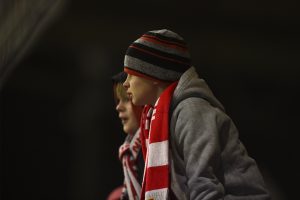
123,119
129,94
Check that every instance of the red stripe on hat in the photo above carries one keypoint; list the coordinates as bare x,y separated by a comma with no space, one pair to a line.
136,73
165,41
154,54
158,174
158,41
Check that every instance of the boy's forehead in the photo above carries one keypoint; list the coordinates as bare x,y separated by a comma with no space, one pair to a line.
134,76
120,92
139,78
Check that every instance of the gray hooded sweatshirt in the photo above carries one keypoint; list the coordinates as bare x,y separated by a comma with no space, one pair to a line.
208,161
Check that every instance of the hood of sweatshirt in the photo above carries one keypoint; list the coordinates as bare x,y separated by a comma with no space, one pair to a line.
190,85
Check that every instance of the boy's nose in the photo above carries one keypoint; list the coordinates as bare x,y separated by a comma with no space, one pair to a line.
119,106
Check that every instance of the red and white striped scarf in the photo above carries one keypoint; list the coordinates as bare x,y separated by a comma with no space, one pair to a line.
128,153
155,147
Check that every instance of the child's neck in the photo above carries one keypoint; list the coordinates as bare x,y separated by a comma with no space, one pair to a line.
160,88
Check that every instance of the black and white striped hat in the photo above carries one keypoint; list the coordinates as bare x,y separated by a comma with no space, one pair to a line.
159,54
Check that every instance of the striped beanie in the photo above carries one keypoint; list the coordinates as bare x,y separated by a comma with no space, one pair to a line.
159,54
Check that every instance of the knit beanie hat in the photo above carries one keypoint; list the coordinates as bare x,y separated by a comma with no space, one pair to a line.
159,54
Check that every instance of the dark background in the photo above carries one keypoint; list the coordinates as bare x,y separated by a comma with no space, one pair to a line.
60,133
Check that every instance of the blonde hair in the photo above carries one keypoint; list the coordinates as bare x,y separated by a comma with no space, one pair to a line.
120,92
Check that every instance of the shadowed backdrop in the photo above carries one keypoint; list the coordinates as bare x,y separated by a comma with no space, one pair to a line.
59,129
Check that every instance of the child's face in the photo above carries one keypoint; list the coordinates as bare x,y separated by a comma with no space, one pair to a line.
129,114
141,91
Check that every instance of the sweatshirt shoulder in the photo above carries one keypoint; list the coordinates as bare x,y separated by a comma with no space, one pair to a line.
197,107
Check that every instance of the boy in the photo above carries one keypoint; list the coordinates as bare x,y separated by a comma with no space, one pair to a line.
130,151
190,146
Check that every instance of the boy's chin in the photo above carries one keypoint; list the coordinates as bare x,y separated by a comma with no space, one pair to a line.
125,129
134,102
128,131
